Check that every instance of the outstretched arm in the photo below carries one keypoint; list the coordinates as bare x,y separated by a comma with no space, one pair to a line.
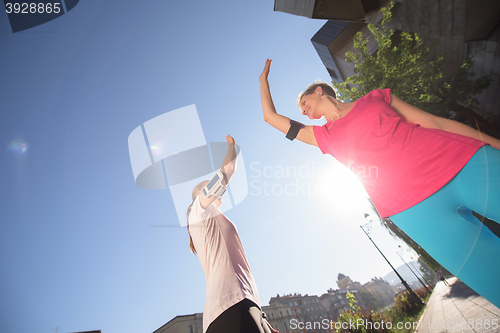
228,168
274,119
416,116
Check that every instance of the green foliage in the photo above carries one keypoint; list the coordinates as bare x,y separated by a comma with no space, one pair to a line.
371,301
406,65
404,310
427,273
352,301
397,233
462,88
362,321
405,306
400,234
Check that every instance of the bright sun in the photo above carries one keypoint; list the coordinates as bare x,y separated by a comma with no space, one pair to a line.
340,189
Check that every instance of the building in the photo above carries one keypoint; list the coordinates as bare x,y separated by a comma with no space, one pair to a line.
283,311
310,308
342,10
462,28
382,290
306,309
345,282
378,287
334,39
332,42
335,301
192,323
280,314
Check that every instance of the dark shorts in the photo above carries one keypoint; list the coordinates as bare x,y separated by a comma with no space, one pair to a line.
243,317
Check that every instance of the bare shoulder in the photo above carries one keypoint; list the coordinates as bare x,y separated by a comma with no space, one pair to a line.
306,135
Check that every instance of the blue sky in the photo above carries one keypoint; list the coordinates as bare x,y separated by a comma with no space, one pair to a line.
78,246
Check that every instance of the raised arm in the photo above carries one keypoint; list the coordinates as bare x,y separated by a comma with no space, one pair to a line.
416,116
274,119
229,164
228,168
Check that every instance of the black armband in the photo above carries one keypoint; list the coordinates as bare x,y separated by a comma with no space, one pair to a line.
295,127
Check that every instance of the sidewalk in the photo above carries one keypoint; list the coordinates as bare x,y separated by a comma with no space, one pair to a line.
457,308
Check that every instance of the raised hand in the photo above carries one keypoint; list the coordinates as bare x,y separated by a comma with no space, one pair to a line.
265,72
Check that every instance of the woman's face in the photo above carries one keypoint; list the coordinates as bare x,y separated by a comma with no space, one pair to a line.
312,105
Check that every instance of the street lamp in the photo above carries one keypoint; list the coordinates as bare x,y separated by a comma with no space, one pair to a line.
421,274
412,269
412,293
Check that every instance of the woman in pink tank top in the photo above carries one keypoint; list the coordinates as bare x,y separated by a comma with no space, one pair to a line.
432,172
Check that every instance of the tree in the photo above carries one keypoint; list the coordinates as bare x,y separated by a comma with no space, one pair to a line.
400,234
427,273
371,301
397,233
352,301
414,73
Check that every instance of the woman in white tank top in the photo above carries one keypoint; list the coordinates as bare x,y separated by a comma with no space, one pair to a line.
232,301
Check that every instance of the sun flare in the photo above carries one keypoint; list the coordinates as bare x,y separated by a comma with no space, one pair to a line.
340,189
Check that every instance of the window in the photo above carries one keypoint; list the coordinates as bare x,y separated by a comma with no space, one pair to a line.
190,328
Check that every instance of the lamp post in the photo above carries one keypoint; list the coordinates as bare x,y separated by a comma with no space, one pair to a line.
412,293
412,270
422,275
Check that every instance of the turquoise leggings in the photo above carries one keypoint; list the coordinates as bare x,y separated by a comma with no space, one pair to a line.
444,226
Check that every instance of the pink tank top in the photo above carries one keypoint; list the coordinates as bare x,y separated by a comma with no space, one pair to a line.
399,163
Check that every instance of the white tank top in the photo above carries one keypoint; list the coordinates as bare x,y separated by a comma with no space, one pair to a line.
223,260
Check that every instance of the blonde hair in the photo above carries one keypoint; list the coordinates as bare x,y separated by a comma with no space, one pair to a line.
193,197
327,89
